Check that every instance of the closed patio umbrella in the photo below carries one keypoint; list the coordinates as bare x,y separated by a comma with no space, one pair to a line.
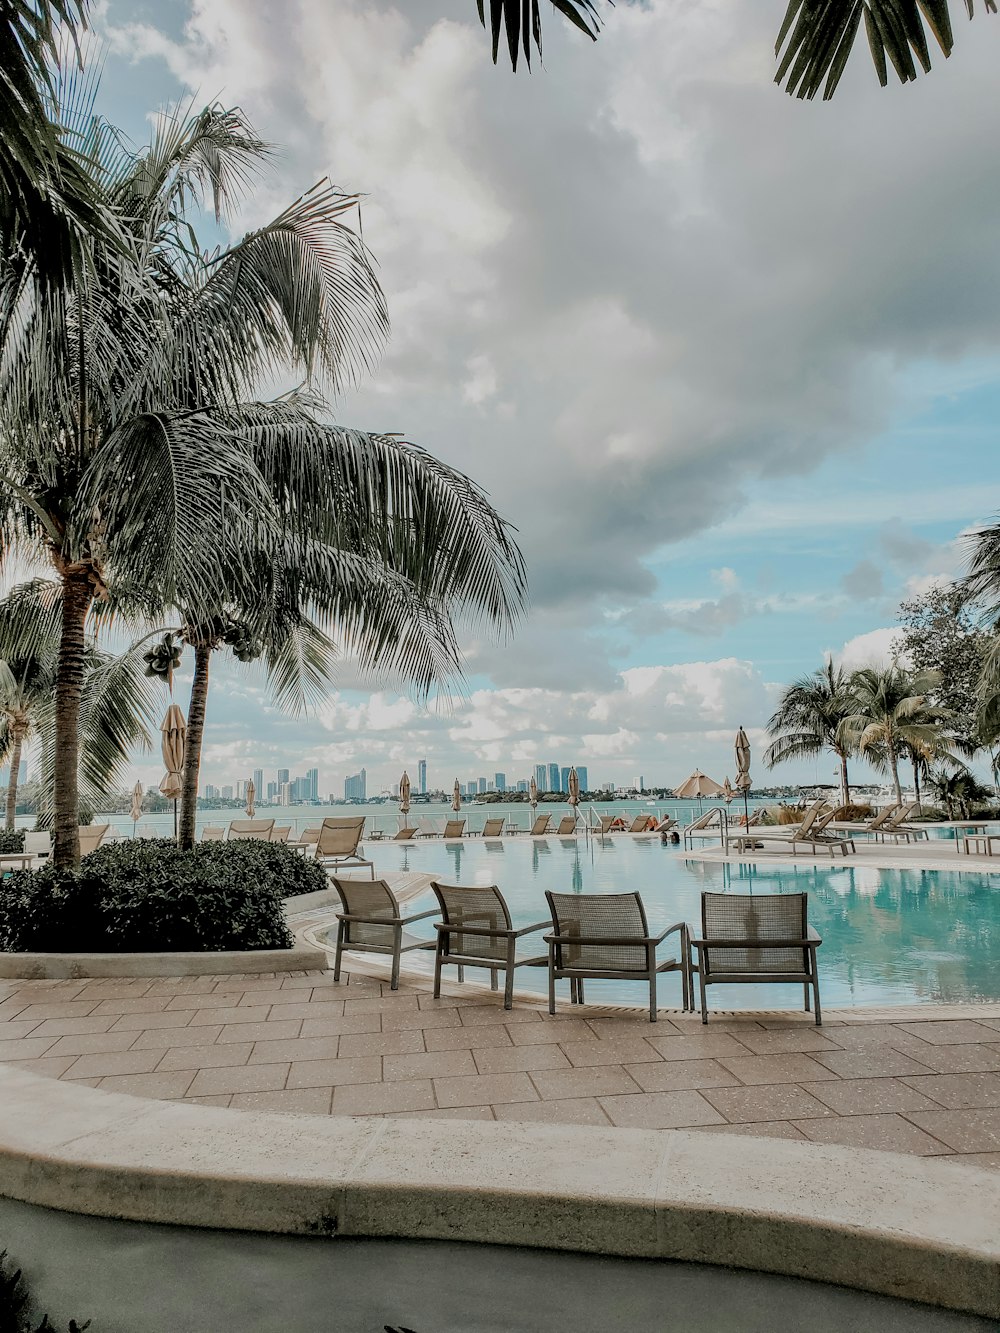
574,790
251,808
743,779
136,810
727,791
533,798
172,747
456,797
404,798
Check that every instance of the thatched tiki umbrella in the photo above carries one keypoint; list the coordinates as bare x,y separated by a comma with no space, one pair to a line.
136,810
456,797
172,747
404,798
251,808
574,791
743,779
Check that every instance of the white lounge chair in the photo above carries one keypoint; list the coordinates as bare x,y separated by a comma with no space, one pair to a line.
259,829
337,845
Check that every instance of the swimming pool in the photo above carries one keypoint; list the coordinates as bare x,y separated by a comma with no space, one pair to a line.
889,936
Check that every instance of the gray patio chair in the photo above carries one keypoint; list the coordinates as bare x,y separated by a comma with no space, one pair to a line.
606,935
756,937
372,922
261,829
337,844
477,932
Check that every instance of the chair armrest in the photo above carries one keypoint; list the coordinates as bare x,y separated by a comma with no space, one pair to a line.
488,932
371,920
777,943
527,930
813,935
682,926
435,911
622,941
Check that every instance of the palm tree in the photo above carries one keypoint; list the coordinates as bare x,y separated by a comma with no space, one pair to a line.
957,787
891,711
809,719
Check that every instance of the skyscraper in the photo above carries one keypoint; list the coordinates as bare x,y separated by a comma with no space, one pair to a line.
554,778
541,777
258,783
356,787
522,784
422,777
312,780
581,773
227,793
500,781
483,784
564,779
282,776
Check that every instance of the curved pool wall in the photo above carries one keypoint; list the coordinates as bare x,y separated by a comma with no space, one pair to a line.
890,936
879,1222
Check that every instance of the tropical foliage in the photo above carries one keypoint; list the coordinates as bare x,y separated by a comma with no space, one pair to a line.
893,714
810,719
981,587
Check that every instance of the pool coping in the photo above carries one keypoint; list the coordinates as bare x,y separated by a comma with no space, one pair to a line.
871,1220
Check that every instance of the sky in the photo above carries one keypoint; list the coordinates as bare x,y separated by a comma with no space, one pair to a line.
728,361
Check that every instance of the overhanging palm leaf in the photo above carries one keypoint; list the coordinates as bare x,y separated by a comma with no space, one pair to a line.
818,37
521,23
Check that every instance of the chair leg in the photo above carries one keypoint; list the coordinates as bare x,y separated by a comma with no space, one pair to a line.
704,997
437,970
461,972
508,982
652,997
340,950
819,1015
494,979
579,990
806,990
552,980
397,944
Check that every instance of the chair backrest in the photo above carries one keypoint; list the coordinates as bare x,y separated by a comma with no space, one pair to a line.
820,824
251,828
750,920
212,834
493,828
541,825
91,836
878,820
567,825
38,844
478,905
902,815
703,821
639,824
618,915
810,817
368,898
454,828
606,822
340,837
281,834
405,835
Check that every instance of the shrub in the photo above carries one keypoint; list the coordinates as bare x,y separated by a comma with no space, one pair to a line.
273,862
143,896
14,1316
11,841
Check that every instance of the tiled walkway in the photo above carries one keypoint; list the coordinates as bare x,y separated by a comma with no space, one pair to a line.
925,1083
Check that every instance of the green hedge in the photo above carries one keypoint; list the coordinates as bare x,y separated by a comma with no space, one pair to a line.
11,841
145,895
14,1303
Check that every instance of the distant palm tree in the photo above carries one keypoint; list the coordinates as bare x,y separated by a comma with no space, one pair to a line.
892,711
982,585
957,787
809,719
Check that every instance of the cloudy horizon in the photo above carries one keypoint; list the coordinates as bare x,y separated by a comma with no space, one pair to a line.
726,360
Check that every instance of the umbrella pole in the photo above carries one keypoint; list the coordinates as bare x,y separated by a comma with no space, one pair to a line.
175,819
746,809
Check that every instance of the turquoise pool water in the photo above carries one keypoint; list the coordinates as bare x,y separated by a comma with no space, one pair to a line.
889,936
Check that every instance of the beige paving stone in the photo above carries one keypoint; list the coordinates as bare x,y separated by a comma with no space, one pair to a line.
427,1064
303,1101
382,1098
479,1039
334,1027
160,1038
426,1001
959,1091
148,1022
117,988
229,1014
269,984
12,1030
91,1043
103,1063
219,1099
764,1129
783,1102
972,1059
58,1009
627,1050
862,1036
690,1025
661,1110
383,1043
51,1066
890,1133
307,983
240,1078
947,1032
990,1160
787,1040
991,1023
298,1048
283,997
152,1004
322,1009
484,1090
183,986
446,1113
869,1096
541,1034
594,1081
26,1048
217,1000
708,1045
568,1111
67,1027
260,1031
772,1069
681,1075
511,1059
881,1062
166,1085
615,1029
404,1020
381,1004
330,1073
204,1057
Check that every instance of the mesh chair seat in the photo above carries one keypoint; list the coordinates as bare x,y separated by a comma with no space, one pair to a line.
476,931
337,844
372,922
251,828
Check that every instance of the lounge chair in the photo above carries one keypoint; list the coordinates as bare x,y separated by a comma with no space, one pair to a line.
604,824
261,829
493,828
540,826
477,932
453,828
751,937
606,935
213,833
91,836
705,826
812,832
867,825
281,834
640,824
337,844
372,922
567,826
406,834
898,829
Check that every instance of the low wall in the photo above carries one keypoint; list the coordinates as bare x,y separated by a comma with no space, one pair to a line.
880,1222
69,966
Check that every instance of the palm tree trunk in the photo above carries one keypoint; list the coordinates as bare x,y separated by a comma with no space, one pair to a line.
894,765
916,781
192,744
77,596
845,786
15,764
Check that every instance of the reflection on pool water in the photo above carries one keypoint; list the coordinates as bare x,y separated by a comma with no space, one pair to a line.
889,936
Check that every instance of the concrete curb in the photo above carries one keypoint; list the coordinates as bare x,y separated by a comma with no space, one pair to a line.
878,1222
69,966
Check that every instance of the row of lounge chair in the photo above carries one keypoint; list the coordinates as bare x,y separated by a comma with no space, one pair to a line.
819,831
742,938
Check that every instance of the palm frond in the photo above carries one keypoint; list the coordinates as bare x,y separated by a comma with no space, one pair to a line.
520,23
